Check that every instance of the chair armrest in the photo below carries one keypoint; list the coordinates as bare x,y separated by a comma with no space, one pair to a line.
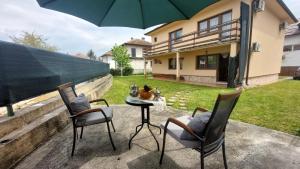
99,100
87,112
199,109
182,125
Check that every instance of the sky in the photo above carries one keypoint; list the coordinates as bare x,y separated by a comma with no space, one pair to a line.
70,34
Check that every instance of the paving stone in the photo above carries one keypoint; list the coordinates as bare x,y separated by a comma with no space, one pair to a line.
182,104
183,108
171,100
170,104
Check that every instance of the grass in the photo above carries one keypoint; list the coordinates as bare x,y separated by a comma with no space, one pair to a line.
274,106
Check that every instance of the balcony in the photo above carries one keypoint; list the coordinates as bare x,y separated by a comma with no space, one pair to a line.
220,34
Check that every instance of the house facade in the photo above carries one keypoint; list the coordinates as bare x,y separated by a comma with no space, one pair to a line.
291,56
135,48
231,42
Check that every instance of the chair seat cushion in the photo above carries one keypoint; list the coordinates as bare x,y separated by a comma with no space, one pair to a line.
175,131
80,103
95,117
197,124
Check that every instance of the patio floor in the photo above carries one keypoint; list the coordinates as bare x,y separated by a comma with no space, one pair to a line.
247,146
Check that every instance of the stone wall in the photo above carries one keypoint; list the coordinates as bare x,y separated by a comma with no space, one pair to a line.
35,124
263,80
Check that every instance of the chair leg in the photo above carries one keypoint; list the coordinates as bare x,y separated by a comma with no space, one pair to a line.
112,124
202,161
163,147
74,139
224,155
111,141
81,132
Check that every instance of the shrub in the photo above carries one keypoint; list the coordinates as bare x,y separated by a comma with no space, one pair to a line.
126,71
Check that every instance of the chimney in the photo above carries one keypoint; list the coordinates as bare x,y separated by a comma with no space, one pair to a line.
143,38
131,38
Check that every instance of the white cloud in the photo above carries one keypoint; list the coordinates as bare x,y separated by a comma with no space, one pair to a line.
69,33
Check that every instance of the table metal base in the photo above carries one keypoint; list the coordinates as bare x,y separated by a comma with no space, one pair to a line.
145,120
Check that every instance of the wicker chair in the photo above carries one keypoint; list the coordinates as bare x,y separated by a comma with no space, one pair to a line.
87,117
213,136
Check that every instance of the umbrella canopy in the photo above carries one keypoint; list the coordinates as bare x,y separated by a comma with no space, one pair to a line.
128,13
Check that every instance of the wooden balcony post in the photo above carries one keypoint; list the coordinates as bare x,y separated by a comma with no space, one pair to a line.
177,66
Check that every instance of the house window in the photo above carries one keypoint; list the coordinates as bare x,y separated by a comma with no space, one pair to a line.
206,62
133,52
212,24
176,35
155,39
287,48
203,27
172,63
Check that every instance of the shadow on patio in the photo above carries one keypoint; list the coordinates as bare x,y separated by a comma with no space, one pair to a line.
248,146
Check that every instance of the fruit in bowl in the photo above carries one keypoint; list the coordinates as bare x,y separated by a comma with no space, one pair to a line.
145,93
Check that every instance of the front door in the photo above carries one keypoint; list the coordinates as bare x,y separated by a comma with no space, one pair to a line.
223,68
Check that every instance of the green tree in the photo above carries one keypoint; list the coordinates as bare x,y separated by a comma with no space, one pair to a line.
91,55
121,57
34,40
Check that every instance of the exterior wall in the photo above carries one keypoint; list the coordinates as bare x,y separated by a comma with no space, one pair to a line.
271,39
189,71
139,50
191,25
110,61
263,80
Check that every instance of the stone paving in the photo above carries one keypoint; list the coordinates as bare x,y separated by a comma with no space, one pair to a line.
247,147
180,98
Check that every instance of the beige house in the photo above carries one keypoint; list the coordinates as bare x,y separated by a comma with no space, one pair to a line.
232,42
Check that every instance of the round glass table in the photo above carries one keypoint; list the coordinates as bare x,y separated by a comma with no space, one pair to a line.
145,120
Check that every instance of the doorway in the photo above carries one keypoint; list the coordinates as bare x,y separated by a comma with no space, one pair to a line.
223,68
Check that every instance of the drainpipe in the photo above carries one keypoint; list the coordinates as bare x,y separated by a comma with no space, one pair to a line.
250,41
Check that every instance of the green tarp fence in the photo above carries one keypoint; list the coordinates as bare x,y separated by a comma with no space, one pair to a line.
27,72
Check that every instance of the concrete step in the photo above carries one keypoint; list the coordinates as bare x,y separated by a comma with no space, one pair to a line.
19,143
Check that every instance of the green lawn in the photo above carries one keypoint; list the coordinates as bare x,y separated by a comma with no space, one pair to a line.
275,106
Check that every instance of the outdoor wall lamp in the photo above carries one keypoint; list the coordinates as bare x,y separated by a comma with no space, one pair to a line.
256,47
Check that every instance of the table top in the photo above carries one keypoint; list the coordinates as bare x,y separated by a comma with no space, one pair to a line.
135,101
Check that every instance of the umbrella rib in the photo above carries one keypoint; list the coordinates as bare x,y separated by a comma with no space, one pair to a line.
186,17
142,14
106,12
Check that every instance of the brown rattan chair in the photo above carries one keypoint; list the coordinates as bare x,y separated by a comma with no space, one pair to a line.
213,136
87,117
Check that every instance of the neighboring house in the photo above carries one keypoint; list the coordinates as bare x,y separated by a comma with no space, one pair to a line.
81,55
213,46
135,48
291,57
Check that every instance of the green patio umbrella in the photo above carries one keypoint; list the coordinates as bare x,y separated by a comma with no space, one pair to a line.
128,13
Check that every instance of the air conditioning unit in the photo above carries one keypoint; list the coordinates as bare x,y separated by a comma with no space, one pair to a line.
256,47
259,5
283,25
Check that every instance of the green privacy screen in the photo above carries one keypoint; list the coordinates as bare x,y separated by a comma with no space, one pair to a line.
27,72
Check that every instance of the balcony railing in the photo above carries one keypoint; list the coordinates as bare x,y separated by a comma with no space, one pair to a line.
226,32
